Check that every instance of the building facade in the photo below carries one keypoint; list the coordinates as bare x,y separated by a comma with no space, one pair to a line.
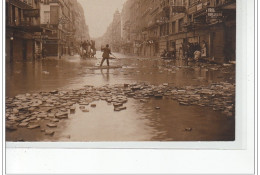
56,26
112,35
149,27
140,27
65,26
22,22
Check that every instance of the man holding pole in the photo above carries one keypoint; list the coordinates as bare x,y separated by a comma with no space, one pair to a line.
106,53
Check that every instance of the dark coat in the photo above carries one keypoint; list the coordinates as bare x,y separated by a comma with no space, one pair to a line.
106,52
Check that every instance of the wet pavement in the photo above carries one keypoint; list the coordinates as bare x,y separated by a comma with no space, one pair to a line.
138,99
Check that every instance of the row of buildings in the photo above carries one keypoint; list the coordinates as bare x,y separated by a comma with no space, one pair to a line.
148,27
55,27
112,36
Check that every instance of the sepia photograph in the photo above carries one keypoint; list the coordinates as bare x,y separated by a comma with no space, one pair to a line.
120,70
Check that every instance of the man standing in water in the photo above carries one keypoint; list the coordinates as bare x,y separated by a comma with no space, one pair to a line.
106,53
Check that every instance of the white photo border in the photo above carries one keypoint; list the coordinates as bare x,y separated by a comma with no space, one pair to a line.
241,159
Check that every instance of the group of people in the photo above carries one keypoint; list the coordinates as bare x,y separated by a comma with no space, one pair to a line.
193,51
168,54
88,49
190,51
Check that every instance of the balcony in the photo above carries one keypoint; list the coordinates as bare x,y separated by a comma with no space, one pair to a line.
23,4
226,4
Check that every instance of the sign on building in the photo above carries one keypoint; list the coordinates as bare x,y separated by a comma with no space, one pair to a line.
31,12
199,6
213,14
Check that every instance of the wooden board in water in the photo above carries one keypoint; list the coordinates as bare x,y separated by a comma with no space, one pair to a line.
106,67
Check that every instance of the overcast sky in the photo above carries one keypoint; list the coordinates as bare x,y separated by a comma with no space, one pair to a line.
99,14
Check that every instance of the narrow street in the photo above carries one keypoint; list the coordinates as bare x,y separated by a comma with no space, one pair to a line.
138,99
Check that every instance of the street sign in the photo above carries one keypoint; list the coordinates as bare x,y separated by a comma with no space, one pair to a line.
199,6
178,9
212,13
31,12
192,9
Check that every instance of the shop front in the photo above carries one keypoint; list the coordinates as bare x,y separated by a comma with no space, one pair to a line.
19,45
51,47
163,44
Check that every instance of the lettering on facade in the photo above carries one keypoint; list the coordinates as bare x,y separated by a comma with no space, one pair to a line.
213,14
31,13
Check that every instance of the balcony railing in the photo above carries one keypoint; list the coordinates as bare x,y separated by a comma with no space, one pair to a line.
23,4
225,2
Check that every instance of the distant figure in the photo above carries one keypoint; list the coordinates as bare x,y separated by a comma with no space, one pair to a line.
93,48
164,53
43,52
84,45
106,53
204,49
88,48
197,55
83,49
173,54
180,53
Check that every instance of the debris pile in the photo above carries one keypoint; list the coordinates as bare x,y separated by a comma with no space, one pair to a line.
28,110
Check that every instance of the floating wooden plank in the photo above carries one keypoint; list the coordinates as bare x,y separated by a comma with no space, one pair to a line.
105,67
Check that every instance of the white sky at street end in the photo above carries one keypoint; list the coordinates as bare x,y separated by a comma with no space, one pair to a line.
99,14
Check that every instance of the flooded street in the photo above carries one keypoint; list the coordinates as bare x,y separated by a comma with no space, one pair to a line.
161,100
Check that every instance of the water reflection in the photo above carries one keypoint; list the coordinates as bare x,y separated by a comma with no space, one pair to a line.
103,124
48,74
141,121
105,75
171,121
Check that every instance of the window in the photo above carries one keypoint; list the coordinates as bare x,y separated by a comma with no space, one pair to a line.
174,27
46,2
181,25
190,18
167,29
46,17
172,44
19,15
161,30
178,2
164,29
13,15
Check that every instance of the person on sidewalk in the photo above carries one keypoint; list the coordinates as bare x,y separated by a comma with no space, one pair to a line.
106,53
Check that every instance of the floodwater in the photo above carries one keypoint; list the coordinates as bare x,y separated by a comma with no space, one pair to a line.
140,121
